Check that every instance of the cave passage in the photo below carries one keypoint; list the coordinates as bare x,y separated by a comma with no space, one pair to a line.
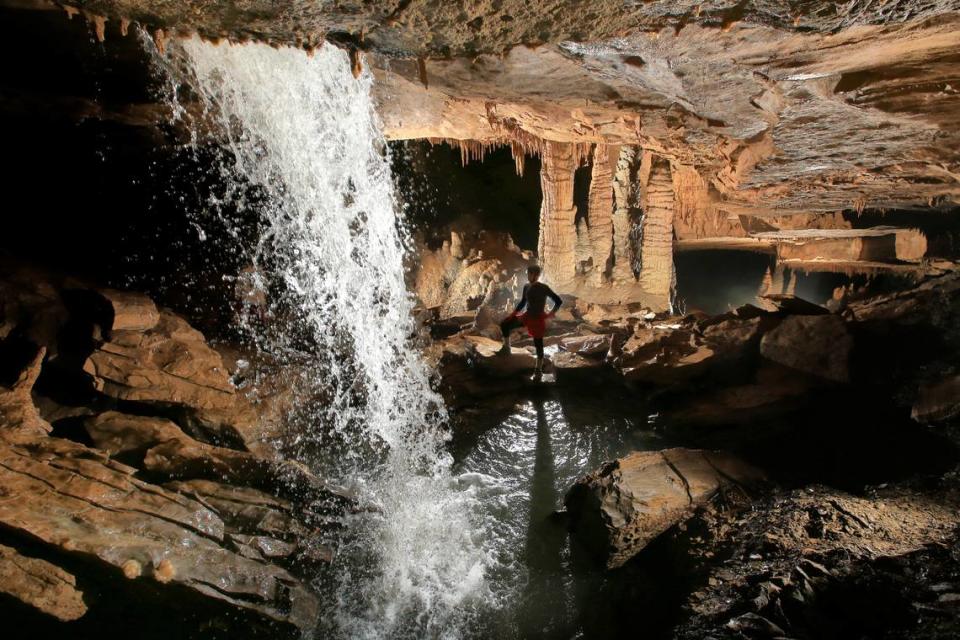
253,266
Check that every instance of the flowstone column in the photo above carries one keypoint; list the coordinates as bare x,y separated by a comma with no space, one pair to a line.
600,208
558,231
624,190
656,249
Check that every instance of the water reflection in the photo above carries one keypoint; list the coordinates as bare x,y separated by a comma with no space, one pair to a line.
522,465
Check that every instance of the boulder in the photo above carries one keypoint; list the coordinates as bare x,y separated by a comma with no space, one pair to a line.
819,345
593,345
792,305
618,510
489,361
41,585
672,354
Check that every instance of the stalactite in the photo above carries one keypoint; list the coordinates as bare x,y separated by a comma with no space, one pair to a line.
778,285
600,211
519,156
766,284
124,26
656,272
557,246
71,11
99,25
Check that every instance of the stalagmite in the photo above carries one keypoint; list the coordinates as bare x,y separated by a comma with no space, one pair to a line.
600,207
584,252
557,216
791,289
766,284
656,270
779,282
625,201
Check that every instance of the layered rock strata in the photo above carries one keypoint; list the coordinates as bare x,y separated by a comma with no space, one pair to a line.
133,496
616,511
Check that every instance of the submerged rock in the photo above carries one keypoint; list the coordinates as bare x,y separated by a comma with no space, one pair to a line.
619,509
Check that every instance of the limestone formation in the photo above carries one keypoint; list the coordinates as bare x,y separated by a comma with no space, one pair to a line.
79,501
656,249
40,584
600,212
619,509
558,232
170,365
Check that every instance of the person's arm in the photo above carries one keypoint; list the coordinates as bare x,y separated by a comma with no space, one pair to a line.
556,301
523,301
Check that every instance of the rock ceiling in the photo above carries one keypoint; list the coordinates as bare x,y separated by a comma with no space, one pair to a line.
781,107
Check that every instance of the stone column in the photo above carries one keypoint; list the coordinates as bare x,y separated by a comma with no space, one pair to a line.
656,249
558,232
600,207
624,191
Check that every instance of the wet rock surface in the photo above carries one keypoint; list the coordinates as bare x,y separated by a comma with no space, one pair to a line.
133,497
615,512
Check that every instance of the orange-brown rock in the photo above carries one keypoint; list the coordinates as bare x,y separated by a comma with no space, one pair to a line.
20,419
78,501
618,510
130,311
162,447
41,585
170,365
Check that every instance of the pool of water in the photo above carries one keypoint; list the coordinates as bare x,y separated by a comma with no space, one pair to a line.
521,456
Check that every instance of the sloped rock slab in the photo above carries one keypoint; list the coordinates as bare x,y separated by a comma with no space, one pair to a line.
618,510
79,501
41,585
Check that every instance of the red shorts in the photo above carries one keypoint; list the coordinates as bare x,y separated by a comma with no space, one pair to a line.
536,324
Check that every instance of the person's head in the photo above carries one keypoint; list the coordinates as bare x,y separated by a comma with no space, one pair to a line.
533,272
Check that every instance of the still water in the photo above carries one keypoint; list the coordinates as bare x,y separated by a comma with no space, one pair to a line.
521,457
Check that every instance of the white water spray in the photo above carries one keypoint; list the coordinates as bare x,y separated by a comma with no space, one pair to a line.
303,132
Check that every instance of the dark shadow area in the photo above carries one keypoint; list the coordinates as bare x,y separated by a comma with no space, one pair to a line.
715,281
437,191
99,192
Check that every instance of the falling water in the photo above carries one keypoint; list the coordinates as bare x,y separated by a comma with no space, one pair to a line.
302,133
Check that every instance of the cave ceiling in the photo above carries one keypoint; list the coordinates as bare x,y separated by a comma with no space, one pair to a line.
782,107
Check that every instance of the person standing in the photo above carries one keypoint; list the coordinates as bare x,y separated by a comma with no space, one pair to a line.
535,294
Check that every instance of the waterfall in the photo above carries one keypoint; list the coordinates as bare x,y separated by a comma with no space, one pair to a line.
302,145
